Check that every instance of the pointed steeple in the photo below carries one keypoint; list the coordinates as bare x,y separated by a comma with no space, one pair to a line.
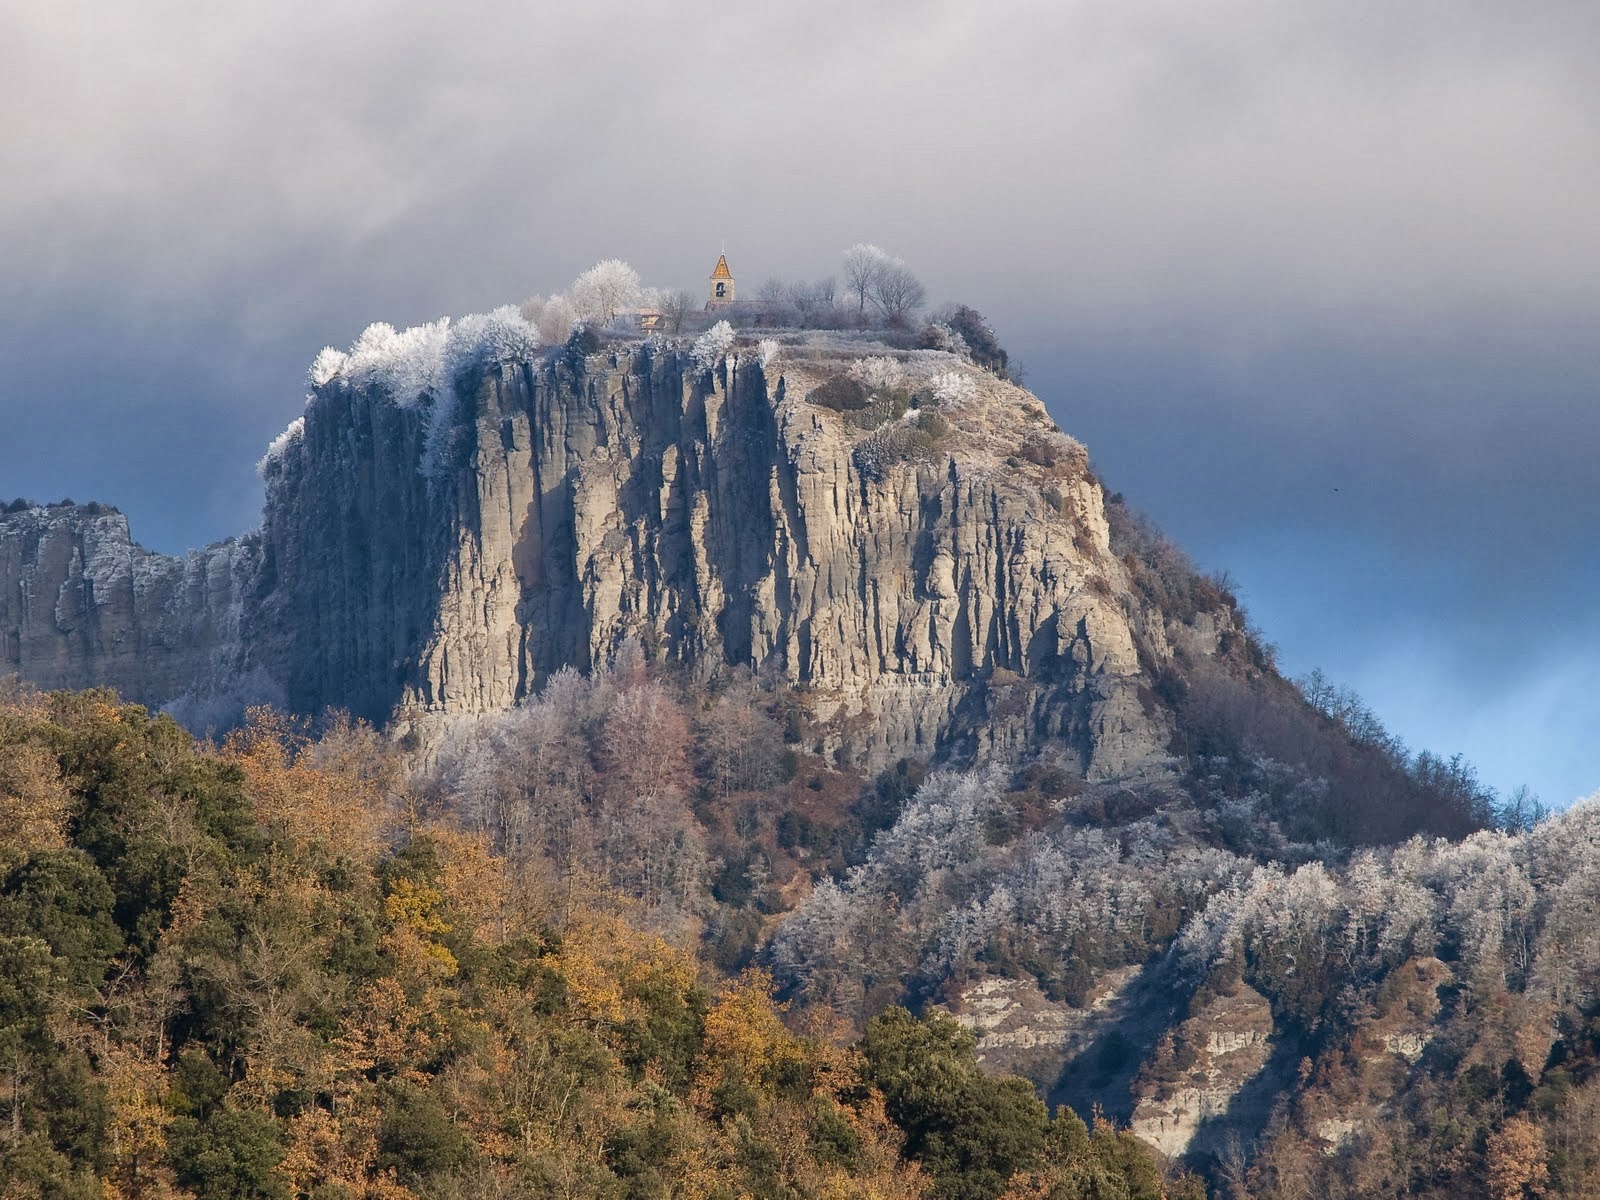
721,284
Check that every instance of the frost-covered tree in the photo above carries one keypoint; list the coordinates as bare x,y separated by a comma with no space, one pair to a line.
940,893
555,320
712,345
878,372
874,276
407,363
475,342
952,388
282,444
489,340
605,288
420,365
327,365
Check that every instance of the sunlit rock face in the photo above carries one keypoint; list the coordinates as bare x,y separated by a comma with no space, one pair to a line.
1194,1097
948,593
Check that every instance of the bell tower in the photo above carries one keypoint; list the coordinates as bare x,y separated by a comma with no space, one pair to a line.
721,284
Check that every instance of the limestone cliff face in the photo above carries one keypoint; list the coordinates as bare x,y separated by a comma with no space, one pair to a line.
415,562
82,605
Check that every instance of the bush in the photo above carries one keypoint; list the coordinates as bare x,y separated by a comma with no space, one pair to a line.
417,1137
883,407
234,1152
932,424
982,347
841,394
901,441
1055,452
583,342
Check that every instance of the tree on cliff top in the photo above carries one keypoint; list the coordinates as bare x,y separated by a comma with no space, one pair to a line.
874,275
863,263
604,289
898,294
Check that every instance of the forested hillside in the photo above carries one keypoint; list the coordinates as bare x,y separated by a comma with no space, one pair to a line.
1239,903
273,969
290,966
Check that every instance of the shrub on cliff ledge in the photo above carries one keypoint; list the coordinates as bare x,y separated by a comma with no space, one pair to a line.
910,440
985,348
841,394
887,404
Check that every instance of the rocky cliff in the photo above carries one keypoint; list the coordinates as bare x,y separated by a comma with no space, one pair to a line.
935,586
82,605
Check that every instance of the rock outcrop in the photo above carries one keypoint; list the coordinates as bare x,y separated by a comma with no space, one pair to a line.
82,605
1020,1031
951,593
1197,1089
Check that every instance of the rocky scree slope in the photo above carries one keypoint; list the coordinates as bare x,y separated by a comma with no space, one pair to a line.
434,556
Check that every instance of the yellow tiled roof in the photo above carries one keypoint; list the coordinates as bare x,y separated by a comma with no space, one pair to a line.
722,271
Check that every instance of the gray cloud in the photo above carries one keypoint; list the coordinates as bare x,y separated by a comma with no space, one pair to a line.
1115,155
1252,250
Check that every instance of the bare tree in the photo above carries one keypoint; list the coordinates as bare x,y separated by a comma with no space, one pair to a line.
873,274
676,306
863,264
813,301
776,300
1233,1167
897,293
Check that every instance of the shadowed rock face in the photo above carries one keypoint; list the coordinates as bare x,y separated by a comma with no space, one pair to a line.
81,605
961,599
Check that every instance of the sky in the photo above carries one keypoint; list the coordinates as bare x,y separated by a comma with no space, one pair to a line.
1317,283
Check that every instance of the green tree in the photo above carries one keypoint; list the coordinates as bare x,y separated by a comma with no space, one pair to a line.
231,1155
971,1132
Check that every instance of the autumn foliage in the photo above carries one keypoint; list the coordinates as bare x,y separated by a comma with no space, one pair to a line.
262,970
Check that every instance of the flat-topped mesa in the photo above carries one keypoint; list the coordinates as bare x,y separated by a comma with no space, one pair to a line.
905,536
933,575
